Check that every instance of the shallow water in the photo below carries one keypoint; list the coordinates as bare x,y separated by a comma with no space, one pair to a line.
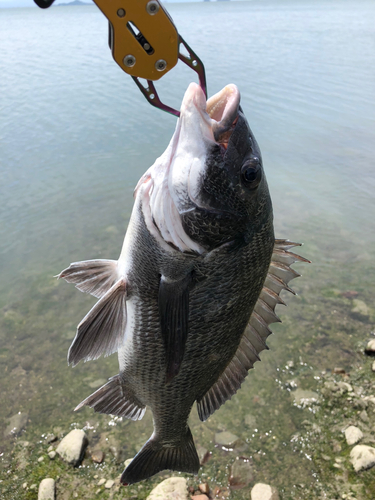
75,136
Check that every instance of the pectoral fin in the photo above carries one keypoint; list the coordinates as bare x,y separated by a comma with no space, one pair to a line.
174,314
102,329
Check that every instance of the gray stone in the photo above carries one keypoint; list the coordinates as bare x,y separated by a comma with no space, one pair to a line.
16,423
173,488
362,457
47,489
344,387
305,398
72,447
363,416
97,456
241,473
226,438
353,435
109,484
263,491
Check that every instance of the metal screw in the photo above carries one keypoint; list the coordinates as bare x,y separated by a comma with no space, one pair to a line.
160,65
121,13
146,46
152,7
129,61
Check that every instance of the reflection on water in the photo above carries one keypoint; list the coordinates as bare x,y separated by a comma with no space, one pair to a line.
76,135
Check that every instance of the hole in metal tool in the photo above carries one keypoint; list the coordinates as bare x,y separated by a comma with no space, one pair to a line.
140,38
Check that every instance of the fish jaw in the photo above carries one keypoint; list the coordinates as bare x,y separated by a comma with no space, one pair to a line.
171,186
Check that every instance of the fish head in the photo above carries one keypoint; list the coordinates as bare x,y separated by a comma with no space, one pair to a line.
209,186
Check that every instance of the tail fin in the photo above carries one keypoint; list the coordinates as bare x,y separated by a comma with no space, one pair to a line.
155,457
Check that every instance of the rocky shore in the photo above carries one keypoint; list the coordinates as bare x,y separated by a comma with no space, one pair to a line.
337,434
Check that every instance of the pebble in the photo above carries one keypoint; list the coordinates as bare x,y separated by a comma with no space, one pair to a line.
363,416
204,488
109,484
353,435
339,370
50,448
72,447
97,456
52,454
101,482
370,348
203,454
24,486
362,457
373,366
16,423
173,488
33,487
226,438
40,459
305,398
344,387
263,491
199,497
241,473
47,489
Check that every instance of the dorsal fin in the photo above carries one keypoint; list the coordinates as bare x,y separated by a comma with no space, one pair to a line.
253,340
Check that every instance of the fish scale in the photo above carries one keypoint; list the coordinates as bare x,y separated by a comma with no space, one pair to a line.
188,303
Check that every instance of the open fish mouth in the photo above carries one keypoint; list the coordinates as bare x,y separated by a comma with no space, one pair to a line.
223,109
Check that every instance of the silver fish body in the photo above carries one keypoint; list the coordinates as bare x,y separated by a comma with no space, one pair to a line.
188,303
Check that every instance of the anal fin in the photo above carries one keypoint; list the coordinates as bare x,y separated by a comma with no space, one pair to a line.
114,399
92,276
102,329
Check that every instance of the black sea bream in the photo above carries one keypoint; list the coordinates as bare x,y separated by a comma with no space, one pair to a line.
188,304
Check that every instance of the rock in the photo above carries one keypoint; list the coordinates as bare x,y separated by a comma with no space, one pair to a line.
47,489
204,488
250,421
72,447
263,491
344,387
127,462
51,438
363,416
16,423
52,455
339,371
173,488
353,435
360,308
97,456
370,348
241,473
109,484
225,438
40,459
305,398
199,497
362,457
101,482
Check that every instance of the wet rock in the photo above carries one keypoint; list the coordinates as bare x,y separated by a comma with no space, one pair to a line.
97,456
173,488
241,473
263,491
72,447
226,438
353,435
305,398
370,348
47,489
16,423
360,308
362,457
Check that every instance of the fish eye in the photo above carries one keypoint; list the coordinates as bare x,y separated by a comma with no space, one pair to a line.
251,172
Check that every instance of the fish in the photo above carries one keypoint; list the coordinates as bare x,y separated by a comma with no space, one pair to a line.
188,304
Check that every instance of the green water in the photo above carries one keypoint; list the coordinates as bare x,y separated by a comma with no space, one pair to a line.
75,137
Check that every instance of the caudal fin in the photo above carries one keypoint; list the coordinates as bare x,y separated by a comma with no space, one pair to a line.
155,457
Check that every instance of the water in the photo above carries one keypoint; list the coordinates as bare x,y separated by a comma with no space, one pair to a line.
75,136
